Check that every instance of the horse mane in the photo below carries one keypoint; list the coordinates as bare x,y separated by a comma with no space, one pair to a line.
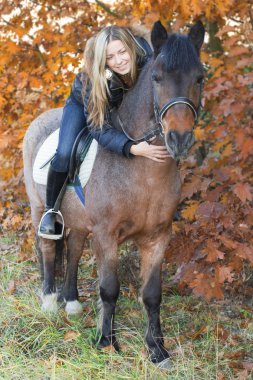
179,53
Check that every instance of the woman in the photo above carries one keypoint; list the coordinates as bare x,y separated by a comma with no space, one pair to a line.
115,57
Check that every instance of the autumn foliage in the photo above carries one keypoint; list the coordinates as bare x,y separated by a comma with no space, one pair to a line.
41,50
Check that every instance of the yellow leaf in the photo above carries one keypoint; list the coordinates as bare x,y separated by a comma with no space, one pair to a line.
189,212
199,133
3,101
227,151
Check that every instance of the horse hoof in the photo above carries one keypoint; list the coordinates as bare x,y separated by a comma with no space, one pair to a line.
159,355
104,343
165,364
73,308
49,303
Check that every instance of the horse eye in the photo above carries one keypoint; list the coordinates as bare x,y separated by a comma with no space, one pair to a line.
200,80
155,78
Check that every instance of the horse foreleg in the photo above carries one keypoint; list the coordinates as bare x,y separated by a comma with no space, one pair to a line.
49,295
75,246
107,260
152,254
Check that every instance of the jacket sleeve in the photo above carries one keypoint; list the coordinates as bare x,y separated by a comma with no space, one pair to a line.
108,136
76,88
112,139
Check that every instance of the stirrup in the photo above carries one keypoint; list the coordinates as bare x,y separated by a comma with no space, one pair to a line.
55,236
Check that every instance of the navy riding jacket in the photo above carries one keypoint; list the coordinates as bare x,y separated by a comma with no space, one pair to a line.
108,136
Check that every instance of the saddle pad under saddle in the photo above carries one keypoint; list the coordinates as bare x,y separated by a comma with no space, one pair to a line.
46,153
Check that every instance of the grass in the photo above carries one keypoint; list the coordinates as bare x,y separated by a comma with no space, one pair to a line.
206,341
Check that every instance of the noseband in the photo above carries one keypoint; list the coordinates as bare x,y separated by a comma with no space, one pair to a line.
159,114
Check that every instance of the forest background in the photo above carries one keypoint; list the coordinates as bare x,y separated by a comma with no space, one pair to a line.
210,255
41,45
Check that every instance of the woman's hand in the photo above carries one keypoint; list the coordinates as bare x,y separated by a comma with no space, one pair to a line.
153,152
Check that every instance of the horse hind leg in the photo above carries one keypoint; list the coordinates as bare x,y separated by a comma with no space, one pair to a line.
75,244
152,254
107,261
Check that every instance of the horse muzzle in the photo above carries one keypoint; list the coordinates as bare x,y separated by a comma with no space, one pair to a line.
178,144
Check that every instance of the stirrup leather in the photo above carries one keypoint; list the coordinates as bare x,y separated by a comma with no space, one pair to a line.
61,223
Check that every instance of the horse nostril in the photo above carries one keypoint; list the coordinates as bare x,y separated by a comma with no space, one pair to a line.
173,137
188,139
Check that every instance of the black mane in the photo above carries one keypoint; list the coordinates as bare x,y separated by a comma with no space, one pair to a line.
179,53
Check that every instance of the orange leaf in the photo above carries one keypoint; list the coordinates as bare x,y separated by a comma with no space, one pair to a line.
191,188
243,191
213,254
246,148
245,252
205,286
224,273
228,242
238,50
71,335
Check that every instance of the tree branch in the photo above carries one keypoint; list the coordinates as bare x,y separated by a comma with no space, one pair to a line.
251,18
107,9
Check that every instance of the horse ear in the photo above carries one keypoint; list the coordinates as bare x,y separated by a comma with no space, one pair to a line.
196,35
159,36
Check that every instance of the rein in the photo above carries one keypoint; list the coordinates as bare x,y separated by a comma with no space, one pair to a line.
159,114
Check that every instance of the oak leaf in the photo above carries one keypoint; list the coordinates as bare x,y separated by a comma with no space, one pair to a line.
191,188
204,285
71,335
243,191
209,210
224,273
213,253
189,212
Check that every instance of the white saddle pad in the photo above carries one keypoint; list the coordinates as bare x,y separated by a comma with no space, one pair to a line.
46,153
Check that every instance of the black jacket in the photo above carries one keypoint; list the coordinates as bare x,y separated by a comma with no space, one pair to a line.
109,137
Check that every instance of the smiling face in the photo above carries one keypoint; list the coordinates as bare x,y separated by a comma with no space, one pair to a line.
117,57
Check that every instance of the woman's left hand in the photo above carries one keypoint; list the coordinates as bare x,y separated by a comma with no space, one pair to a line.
153,152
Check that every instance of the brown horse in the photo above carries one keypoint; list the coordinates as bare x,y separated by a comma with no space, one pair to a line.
128,198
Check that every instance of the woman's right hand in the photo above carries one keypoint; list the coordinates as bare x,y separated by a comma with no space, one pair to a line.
156,153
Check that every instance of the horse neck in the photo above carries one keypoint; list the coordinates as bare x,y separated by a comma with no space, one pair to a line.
136,110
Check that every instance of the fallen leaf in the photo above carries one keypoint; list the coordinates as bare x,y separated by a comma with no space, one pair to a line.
71,335
243,191
248,365
11,287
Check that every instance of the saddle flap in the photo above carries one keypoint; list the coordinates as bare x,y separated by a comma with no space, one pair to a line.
47,151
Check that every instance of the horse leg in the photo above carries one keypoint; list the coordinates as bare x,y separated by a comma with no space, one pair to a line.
152,254
49,295
107,261
75,246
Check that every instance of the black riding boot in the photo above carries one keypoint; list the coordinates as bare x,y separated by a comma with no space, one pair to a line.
55,182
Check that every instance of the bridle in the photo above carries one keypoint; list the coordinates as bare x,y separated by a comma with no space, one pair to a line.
159,114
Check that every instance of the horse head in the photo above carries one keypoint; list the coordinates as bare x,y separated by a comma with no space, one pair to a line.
177,78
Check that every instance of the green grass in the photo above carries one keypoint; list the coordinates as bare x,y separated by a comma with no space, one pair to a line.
206,341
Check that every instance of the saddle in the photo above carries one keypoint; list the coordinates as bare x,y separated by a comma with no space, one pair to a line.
79,151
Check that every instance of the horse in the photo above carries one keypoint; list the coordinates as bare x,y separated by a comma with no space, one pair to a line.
127,198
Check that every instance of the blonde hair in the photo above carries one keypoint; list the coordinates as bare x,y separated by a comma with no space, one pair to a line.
88,58
99,87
